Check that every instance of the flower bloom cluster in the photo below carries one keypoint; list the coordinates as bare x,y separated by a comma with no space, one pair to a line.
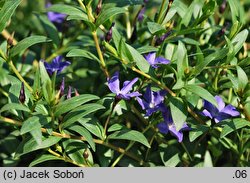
153,101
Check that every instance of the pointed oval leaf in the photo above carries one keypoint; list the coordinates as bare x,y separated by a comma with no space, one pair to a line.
132,135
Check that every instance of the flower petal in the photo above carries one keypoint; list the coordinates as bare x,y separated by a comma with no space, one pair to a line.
161,60
142,103
151,58
126,88
230,110
211,108
148,94
220,102
62,66
114,83
174,132
205,112
163,127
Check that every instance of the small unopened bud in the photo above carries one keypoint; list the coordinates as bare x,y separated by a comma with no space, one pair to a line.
10,40
223,30
99,7
62,87
161,39
69,92
22,94
76,92
223,6
108,36
141,14
85,154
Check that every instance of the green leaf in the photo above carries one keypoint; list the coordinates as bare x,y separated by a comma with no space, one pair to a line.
37,135
203,93
26,43
30,144
208,160
7,11
239,40
65,9
93,126
181,57
140,61
80,112
125,2
132,135
197,131
107,14
83,132
43,73
242,79
172,162
50,29
155,28
75,149
115,127
14,106
232,125
82,53
146,49
178,111
220,54
72,103
43,158
30,124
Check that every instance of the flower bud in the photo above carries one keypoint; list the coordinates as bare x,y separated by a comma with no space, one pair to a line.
76,92
223,6
108,36
161,39
62,87
140,16
22,94
85,154
69,92
99,7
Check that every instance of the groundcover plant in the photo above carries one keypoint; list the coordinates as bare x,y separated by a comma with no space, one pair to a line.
101,83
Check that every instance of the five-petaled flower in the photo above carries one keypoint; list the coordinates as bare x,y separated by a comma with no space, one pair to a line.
56,65
155,61
124,93
220,113
153,101
169,126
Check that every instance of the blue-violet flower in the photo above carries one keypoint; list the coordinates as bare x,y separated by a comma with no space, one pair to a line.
169,126
220,113
152,101
155,61
56,65
124,93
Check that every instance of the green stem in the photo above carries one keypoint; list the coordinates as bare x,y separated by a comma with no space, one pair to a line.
159,17
67,136
109,116
99,52
66,159
56,53
4,92
12,66
185,148
154,80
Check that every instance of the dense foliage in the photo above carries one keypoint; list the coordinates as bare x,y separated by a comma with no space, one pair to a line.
124,83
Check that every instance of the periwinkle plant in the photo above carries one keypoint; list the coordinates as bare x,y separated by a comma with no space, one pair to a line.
167,84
